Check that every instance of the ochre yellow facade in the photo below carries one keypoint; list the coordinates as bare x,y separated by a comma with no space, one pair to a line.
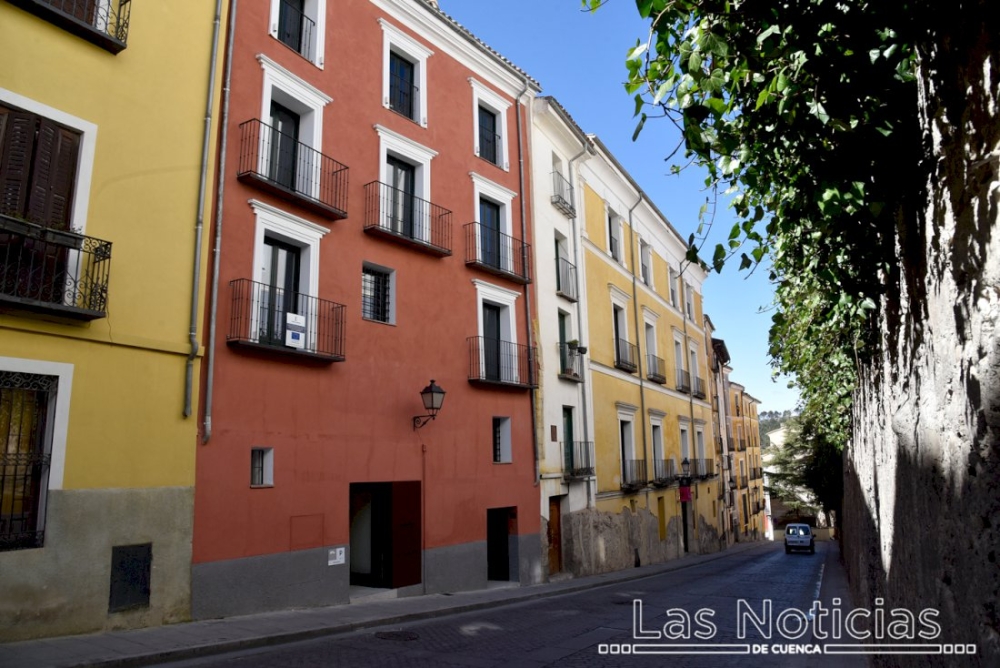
123,473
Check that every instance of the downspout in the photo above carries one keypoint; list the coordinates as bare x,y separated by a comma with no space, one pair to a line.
635,319
217,249
587,148
525,258
200,221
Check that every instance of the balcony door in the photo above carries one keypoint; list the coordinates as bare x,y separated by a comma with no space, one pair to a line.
284,145
290,23
279,290
402,182
568,438
492,364
489,233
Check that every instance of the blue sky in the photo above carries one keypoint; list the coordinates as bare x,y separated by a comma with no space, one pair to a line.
579,59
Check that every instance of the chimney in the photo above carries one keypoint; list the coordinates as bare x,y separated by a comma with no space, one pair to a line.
433,3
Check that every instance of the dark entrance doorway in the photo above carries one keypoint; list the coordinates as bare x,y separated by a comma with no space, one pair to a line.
385,534
555,534
501,531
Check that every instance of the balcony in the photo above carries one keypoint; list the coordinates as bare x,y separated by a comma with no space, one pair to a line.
743,481
280,164
656,369
496,252
502,363
570,363
756,473
562,195
100,22
579,459
52,272
741,445
267,319
401,217
664,472
566,279
633,474
699,388
683,381
295,29
626,356
702,468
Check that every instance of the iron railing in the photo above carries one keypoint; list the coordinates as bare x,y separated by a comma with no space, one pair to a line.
656,369
634,473
699,388
501,362
403,217
626,356
743,481
570,363
489,144
282,164
741,444
683,381
496,252
295,29
702,468
756,473
664,471
562,195
268,317
403,94
579,459
102,22
566,279
53,271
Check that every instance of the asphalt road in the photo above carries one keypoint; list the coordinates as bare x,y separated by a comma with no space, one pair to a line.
594,627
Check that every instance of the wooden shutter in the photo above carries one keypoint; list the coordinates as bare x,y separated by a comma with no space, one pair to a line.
53,176
17,135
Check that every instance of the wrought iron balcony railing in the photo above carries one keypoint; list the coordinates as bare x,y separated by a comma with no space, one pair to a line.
295,29
269,318
566,279
702,468
281,164
489,145
699,388
683,381
634,474
741,445
743,481
656,369
562,195
402,217
664,472
496,362
22,476
626,356
570,363
496,252
53,272
579,459
403,95
756,473
100,22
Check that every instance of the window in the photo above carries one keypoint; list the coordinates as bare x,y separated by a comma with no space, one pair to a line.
404,78
699,440
689,301
402,207
491,244
672,277
280,300
499,356
685,442
284,146
406,173
378,293
501,440
262,467
646,262
613,237
490,123
496,239
300,25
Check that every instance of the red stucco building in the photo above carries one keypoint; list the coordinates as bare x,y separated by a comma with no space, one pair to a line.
373,237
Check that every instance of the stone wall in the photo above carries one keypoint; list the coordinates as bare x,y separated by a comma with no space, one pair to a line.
921,515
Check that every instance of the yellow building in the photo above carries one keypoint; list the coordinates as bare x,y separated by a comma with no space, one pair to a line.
647,375
747,464
102,132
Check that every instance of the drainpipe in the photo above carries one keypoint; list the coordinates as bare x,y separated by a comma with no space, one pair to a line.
587,148
524,263
635,319
220,188
200,221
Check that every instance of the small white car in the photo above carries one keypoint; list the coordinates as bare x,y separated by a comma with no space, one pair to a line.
799,537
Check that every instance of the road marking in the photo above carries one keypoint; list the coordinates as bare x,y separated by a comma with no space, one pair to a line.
819,583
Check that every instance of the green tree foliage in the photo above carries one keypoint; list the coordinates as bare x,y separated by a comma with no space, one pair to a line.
806,461
804,112
769,421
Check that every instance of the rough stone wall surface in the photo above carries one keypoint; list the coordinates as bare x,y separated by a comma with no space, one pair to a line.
921,516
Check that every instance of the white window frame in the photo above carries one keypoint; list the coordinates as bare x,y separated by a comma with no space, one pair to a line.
394,39
693,361
315,10
483,188
684,430
506,300
688,301
672,277
614,226
483,96
304,99
506,451
646,264
699,441
656,427
273,223
267,473
626,413
393,144
391,314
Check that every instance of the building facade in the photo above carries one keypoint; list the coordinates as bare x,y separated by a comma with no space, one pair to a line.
374,237
104,148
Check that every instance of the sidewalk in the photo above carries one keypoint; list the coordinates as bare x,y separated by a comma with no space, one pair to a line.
834,587
143,647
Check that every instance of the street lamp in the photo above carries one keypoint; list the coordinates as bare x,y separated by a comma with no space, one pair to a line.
433,398
685,478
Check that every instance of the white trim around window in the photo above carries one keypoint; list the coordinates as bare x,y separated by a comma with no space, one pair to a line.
395,40
392,143
315,10
274,223
498,296
483,96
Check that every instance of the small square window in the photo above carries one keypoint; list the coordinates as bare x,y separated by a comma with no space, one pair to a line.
501,440
377,294
262,467
131,569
